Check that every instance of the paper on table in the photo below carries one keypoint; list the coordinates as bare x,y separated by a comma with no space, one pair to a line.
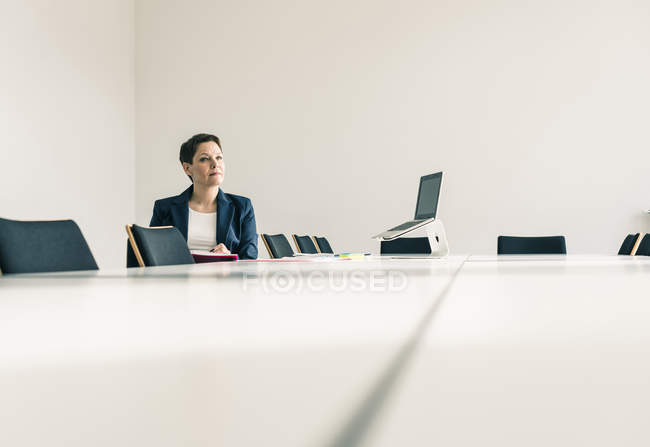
314,255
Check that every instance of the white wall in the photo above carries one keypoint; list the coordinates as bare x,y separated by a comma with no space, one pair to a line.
537,111
67,117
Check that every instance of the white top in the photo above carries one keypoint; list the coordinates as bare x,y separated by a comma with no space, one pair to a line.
201,230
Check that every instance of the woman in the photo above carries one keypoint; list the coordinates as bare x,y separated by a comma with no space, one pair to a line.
207,217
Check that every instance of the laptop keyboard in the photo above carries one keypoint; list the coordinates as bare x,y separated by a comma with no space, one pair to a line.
406,225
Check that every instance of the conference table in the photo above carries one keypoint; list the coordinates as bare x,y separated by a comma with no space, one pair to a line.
379,351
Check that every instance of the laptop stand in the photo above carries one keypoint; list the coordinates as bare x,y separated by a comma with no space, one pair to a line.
435,233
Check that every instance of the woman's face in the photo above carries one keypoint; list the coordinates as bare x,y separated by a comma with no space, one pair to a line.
207,166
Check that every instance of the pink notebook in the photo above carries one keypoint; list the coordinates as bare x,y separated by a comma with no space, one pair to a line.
201,256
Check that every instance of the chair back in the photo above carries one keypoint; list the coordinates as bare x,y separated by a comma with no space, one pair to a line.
131,260
644,246
277,245
406,245
43,246
155,246
629,244
545,245
304,244
323,245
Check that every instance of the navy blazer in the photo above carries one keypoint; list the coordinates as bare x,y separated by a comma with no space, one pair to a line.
235,220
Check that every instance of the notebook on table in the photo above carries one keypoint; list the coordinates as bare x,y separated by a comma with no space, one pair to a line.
202,256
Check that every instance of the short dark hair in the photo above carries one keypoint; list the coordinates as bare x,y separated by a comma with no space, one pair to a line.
188,149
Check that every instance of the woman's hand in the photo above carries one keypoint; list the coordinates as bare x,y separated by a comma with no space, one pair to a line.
221,249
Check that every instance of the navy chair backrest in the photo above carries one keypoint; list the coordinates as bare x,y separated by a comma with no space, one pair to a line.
43,246
628,244
546,245
131,259
304,244
277,245
406,245
644,246
323,245
158,246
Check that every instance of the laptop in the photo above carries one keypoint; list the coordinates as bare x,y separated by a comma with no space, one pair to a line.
425,207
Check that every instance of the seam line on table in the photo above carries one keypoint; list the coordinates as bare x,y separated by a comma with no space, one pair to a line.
357,427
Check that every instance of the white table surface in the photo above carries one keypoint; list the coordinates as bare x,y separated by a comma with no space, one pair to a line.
480,350
236,354
541,351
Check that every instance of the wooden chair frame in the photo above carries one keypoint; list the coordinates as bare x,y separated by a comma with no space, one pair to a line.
295,242
266,244
636,244
316,244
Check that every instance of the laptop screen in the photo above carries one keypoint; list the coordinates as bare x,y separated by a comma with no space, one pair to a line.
428,194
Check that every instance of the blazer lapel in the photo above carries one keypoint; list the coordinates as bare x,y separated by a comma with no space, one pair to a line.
180,212
225,211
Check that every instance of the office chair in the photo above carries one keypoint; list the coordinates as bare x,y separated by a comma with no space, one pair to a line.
304,244
43,246
644,246
406,245
157,246
630,244
323,245
277,245
514,245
